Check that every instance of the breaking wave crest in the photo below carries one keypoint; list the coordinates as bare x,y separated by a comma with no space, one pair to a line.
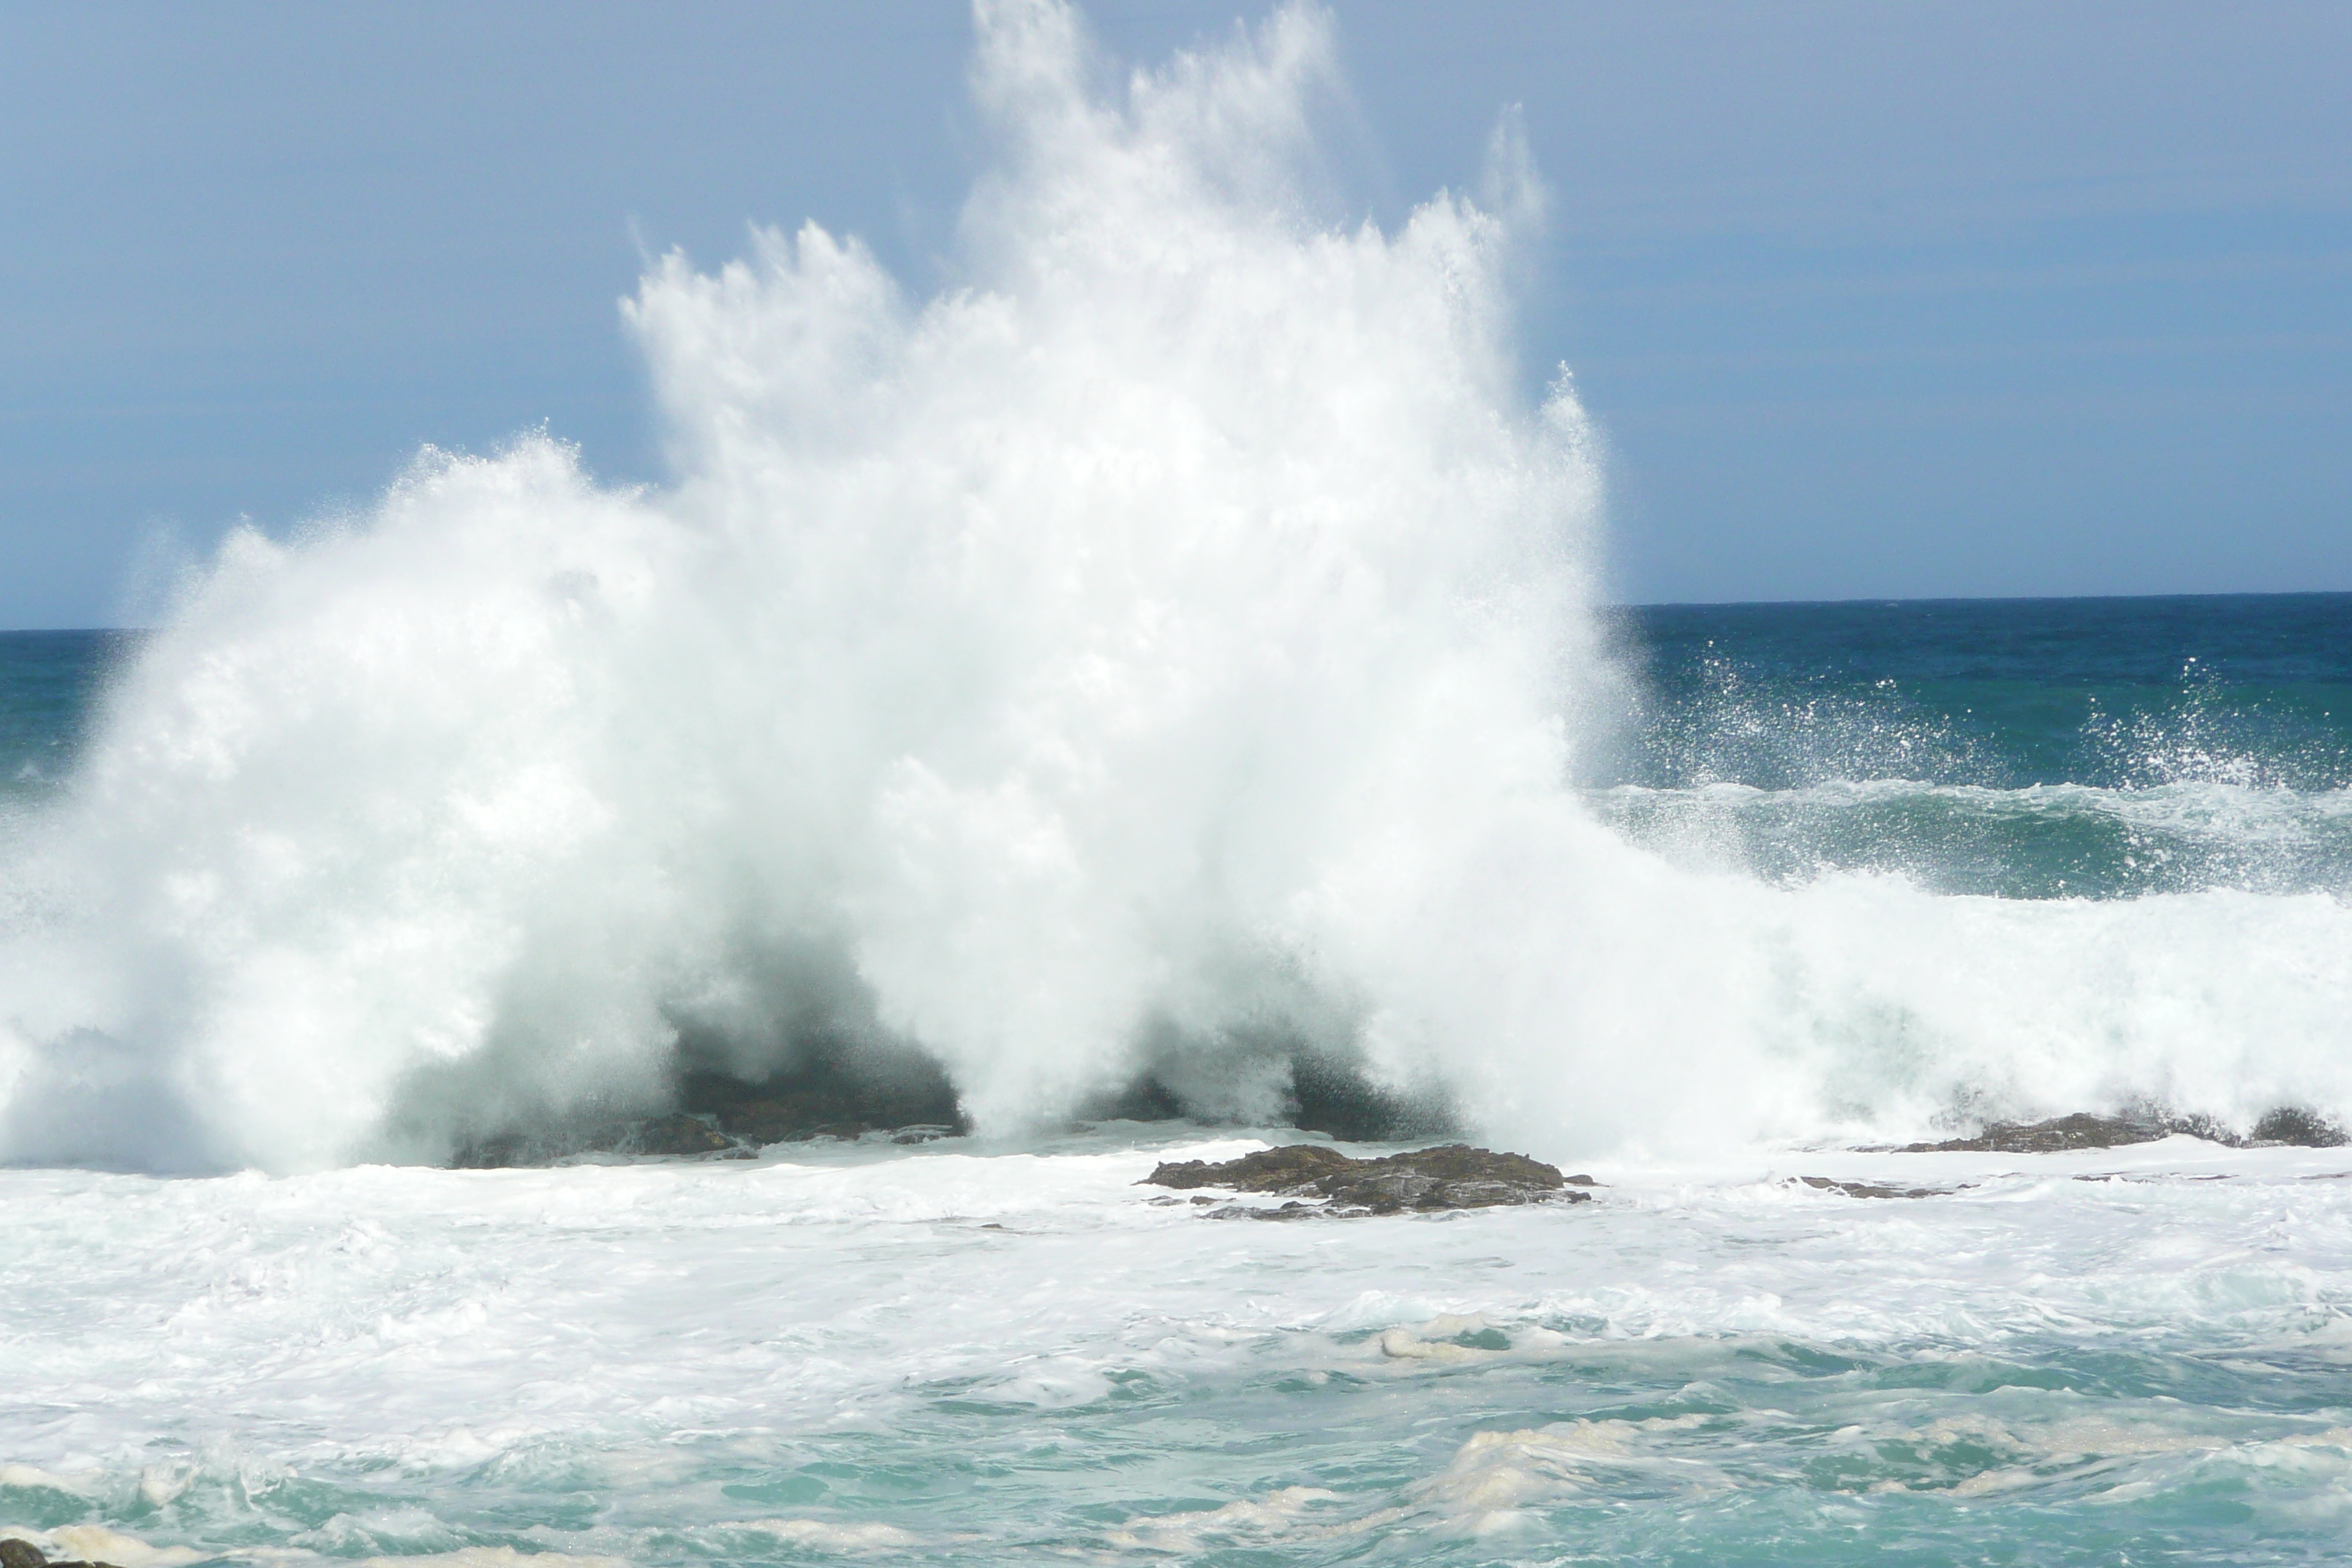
1161,658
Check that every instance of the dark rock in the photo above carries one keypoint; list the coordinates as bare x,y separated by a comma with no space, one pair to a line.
676,1135
2305,1129
14,1553
491,1154
1293,1210
1263,1171
2079,1131
831,1103
814,1061
790,1118
2286,1124
724,1118
680,1134
1869,1189
1451,1176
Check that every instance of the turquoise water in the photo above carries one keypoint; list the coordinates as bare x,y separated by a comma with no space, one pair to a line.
988,1358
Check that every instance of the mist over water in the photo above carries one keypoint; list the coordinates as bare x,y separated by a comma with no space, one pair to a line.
1170,649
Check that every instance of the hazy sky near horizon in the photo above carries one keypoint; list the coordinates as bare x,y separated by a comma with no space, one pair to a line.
1869,301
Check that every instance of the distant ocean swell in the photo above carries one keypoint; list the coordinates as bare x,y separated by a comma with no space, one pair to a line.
1170,650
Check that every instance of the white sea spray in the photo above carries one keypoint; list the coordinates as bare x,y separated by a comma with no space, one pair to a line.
1170,637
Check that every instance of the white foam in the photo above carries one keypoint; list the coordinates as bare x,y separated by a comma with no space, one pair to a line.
1287,1513
824,1535
636,1330
95,1542
489,1557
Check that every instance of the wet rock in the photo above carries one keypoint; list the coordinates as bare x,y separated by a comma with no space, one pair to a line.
1870,1189
792,1117
16,1553
1293,1210
1450,1176
489,1155
911,1109
2302,1129
723,1118
2080,1130
2286,1124
680,1134
675,1136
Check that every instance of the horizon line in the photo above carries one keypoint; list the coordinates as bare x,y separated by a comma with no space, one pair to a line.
1610,606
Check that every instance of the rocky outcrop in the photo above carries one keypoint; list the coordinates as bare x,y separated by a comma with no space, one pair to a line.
2288,1125
2299,1127
2077,1131
1450,1176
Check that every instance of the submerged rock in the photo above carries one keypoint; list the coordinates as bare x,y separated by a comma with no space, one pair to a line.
1450,1176
1871,1189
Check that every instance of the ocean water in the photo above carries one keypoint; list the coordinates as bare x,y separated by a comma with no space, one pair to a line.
49,687
1162,670
986,1356
2021,749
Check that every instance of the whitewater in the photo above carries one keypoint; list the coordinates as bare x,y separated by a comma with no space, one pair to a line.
1162,666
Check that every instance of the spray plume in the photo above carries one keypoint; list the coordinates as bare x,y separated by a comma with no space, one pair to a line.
1164,652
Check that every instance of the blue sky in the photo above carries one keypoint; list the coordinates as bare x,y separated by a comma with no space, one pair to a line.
1869,300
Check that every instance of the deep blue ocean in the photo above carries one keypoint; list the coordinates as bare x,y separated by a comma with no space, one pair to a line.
2029,747
49,685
